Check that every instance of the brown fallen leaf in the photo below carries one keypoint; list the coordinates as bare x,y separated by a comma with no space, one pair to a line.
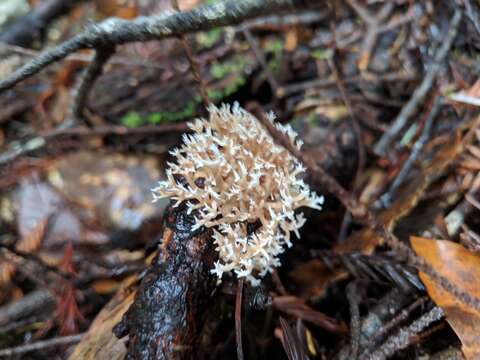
100,342
462,268
470,96
313,277
7,270
122,9
291,40
366,240
106,286
32,241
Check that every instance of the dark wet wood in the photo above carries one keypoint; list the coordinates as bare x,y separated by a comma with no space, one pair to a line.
165,318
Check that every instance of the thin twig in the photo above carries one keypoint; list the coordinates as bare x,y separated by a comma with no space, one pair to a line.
292,341
40,345
15,325
386,199
473,13
331,81
354,122
374,26
118,130
26,306
93,71
238,319
421,91
377,316
261,59
356,129
193,64
40,142
83,58
37,261
400,317
281,22
355,324
403,337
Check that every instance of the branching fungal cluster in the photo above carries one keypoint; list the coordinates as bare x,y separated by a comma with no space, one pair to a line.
243,185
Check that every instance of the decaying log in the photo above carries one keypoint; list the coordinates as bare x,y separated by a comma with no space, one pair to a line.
166,315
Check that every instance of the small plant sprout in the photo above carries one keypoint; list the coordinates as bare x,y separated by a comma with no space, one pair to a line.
242,185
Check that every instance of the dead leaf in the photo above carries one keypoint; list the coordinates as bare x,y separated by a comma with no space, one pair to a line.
374,181
313,277
7,270
66,264
470,96
67,312
32,241
114,187
188,4
291,40
100,342
462,268
39,201
105,286
122,9
363,61
367,240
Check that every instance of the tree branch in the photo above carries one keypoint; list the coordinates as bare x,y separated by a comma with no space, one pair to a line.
93,71
115,31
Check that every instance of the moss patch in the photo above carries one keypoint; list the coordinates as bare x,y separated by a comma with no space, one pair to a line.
133,119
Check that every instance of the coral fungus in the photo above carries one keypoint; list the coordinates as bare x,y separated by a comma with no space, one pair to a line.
243,185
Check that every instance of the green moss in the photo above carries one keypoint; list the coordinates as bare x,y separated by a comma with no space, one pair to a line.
232,72
235,85
154,118
322,54
209,38
172,116
274,63
132,119
312,118
215,95
218,71
231,88
274,46
235,65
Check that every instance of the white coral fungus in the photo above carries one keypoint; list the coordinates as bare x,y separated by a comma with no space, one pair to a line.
231,172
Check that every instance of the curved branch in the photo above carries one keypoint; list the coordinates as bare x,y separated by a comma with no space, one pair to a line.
91,74
115,31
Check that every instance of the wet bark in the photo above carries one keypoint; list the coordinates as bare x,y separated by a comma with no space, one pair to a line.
165,319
